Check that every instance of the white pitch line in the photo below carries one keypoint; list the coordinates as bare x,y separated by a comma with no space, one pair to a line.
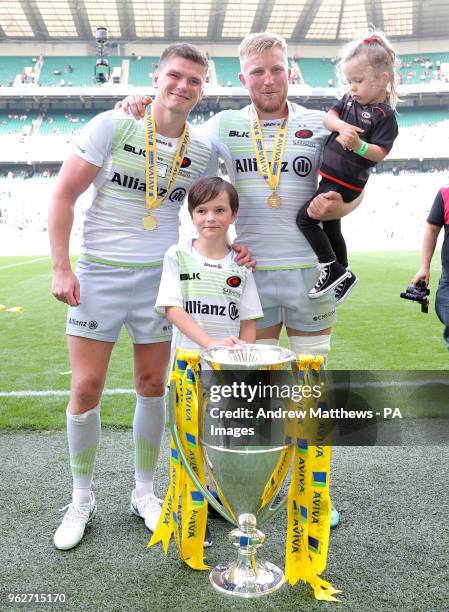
354,385
49,392
23,263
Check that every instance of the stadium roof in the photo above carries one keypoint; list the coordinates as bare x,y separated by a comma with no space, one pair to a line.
299,21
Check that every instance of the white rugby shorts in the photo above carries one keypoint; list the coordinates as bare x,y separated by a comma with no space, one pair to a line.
113,296
284,299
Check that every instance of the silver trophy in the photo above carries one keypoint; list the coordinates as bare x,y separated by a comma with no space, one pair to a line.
241,469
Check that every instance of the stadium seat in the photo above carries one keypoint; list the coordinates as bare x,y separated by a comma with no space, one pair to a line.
71,70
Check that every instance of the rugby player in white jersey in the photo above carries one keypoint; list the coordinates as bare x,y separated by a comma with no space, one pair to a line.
127,230
286,266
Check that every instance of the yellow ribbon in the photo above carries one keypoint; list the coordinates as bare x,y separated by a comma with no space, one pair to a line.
269,171
194,504
308,514
15,309
152,199
188,526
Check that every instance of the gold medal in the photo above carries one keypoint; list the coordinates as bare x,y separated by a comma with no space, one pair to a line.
149,223
270,171
274,200
152,200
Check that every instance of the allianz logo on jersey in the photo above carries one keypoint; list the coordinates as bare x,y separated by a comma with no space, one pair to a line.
197,307
134,182
249,164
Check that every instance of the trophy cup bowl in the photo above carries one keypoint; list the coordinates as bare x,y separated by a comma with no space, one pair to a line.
242,469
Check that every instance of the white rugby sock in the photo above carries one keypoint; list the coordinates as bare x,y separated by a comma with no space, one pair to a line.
311,345
83,435
148,428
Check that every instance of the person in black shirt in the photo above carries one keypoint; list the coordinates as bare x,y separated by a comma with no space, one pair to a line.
438,217
364,127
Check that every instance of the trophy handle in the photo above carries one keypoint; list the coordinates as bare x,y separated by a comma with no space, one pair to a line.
174,432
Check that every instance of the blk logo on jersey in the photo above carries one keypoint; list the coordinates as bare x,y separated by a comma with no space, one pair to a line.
190,277
234,281
302,166
135,150
304,134
237,134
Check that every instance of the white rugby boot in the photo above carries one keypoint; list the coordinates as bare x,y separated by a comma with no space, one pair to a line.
71,531
148,507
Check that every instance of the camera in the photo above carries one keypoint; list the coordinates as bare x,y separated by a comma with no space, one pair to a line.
418,294
101,35
102,70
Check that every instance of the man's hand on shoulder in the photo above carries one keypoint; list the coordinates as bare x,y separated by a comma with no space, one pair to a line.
244,256
134,105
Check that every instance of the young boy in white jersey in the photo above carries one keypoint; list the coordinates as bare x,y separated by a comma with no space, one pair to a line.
209,299
207,296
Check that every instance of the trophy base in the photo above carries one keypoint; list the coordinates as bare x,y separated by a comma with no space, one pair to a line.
240,580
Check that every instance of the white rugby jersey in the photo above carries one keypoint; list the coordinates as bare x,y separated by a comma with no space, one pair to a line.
217,294
272,234
113,229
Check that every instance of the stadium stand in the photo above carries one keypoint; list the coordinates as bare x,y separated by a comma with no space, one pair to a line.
71,70
318,72
421,69
64,123
410,118
17,124
11,68
227,69
141,70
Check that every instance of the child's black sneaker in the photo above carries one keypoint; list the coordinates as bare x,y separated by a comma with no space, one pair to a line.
345,287
331,275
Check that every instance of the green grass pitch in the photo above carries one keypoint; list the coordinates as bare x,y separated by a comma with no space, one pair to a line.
376,331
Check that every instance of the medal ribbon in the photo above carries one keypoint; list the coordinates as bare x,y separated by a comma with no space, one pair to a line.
269,171
152,199
307,544
189,526
194,505
319,497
